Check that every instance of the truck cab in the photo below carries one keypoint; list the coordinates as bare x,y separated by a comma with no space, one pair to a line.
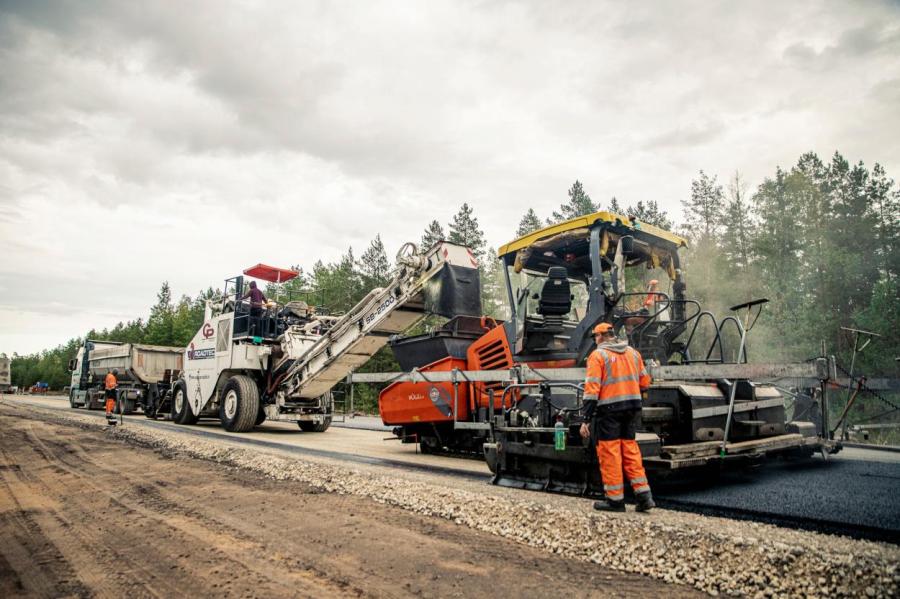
84,388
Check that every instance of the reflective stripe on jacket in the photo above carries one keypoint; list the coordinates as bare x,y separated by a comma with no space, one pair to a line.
615,375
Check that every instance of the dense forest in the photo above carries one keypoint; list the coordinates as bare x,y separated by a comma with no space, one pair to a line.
818,239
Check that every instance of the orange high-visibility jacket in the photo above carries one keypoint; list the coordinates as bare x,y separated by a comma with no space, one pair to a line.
615,377
651,299
111,381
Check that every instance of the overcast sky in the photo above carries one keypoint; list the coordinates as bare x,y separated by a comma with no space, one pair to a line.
184,141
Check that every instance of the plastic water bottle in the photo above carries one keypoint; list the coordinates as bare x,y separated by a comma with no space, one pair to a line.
559,435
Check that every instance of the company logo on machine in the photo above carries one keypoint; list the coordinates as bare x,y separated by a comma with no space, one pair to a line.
415,396
201,354
434,394
207,330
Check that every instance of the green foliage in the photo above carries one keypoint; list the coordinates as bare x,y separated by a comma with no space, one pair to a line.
649,213
494,301
374,266
703,210
579,204
738,227
529,224
464,230
433,233
819,241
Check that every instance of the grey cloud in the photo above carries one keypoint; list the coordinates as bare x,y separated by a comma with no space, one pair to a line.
878,37
686,136
887,92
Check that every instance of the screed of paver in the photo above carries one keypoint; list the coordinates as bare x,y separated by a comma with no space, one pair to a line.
83,516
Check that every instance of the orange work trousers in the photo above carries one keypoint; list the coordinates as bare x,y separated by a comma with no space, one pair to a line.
615,456
617,450
110,402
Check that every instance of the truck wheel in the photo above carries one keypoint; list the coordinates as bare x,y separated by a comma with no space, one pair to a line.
72,399
240,404
181,409
260,417
314,427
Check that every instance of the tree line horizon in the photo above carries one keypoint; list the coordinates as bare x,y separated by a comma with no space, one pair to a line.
818,239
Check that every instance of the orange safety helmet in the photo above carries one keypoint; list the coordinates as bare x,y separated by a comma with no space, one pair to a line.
603,328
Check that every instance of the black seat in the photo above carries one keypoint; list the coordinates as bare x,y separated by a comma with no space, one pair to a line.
556,295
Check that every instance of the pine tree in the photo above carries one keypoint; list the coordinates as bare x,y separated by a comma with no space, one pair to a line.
529,223
579,204
778,246
886,206
703,211
614,206
737,226
852,227
374,264
493,287
159,325
649,213
433,233
464,230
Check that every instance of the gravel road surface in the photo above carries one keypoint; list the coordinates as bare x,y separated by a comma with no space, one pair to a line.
715,555
83,515
854,492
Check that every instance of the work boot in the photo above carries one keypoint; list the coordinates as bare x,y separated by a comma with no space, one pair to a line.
645,502
606,505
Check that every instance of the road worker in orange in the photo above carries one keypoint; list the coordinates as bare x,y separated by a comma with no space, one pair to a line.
111,384
616,377
652,296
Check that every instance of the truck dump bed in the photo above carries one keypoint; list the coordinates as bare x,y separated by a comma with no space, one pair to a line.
138,363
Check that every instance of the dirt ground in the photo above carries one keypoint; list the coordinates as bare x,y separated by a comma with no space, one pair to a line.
83,516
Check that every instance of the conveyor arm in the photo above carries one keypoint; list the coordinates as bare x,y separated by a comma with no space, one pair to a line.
384,312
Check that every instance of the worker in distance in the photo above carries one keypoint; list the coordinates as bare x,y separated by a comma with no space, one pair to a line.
111,383
615,378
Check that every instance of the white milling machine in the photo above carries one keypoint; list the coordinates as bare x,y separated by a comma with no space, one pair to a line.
282,365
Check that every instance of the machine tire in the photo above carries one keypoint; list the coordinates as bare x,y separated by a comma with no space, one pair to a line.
429,444
72,399
181,414
314,427
239,407
260,417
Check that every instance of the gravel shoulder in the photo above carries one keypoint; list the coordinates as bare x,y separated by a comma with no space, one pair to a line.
83,513
714,555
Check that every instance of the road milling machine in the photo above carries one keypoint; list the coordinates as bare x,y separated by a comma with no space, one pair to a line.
280,361
512,389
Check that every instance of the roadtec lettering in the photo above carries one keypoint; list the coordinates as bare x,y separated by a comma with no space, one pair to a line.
202,354
391,300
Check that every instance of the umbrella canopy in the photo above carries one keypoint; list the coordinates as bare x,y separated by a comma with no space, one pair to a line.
270,273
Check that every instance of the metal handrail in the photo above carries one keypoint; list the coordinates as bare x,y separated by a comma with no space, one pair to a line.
742,357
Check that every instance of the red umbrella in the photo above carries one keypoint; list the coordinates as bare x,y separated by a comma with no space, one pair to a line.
271,273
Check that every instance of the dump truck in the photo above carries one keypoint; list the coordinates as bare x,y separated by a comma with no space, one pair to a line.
141,368
5,380
279,361
512,389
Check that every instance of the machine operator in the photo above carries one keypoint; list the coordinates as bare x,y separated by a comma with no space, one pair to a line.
257,300
615,379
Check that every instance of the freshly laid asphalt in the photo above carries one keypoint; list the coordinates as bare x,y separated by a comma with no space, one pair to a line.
856,491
